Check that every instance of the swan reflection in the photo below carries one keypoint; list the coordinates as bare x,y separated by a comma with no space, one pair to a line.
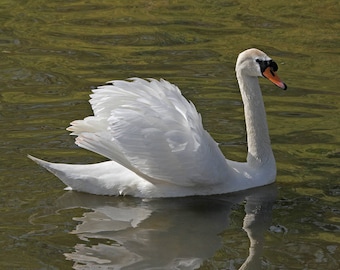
129,233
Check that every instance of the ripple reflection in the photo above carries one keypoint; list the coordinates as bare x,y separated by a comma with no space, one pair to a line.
128,233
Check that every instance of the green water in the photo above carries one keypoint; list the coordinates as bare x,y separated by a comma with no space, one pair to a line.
53,52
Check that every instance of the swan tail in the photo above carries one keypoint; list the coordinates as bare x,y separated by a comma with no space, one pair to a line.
97,178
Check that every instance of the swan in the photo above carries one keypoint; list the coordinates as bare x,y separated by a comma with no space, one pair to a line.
157,146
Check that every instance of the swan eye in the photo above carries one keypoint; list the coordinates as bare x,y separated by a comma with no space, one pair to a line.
267,63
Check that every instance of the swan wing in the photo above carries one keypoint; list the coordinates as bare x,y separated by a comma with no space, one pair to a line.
150,128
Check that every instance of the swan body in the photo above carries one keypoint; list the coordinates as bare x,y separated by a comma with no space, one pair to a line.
157,146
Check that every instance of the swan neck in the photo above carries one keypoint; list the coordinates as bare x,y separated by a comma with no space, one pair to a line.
258,140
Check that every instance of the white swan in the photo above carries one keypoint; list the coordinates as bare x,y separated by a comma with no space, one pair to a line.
157,145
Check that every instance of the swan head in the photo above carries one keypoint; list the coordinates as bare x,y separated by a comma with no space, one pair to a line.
256,63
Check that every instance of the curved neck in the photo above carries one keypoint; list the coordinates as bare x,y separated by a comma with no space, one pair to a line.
259,148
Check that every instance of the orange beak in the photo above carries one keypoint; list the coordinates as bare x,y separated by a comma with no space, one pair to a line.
274,78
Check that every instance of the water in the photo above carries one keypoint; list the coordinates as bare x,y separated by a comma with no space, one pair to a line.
53,53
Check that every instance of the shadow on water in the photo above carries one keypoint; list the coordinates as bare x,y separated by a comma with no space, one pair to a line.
129,233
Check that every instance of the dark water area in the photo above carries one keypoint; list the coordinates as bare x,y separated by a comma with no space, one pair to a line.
54,52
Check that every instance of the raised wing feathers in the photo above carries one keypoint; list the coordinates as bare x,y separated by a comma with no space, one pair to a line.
150,128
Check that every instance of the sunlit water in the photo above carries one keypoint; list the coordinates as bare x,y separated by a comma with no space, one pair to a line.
54,52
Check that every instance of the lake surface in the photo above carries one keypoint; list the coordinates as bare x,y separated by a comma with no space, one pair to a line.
53,53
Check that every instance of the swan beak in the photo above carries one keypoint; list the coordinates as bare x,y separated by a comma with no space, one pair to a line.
274,78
